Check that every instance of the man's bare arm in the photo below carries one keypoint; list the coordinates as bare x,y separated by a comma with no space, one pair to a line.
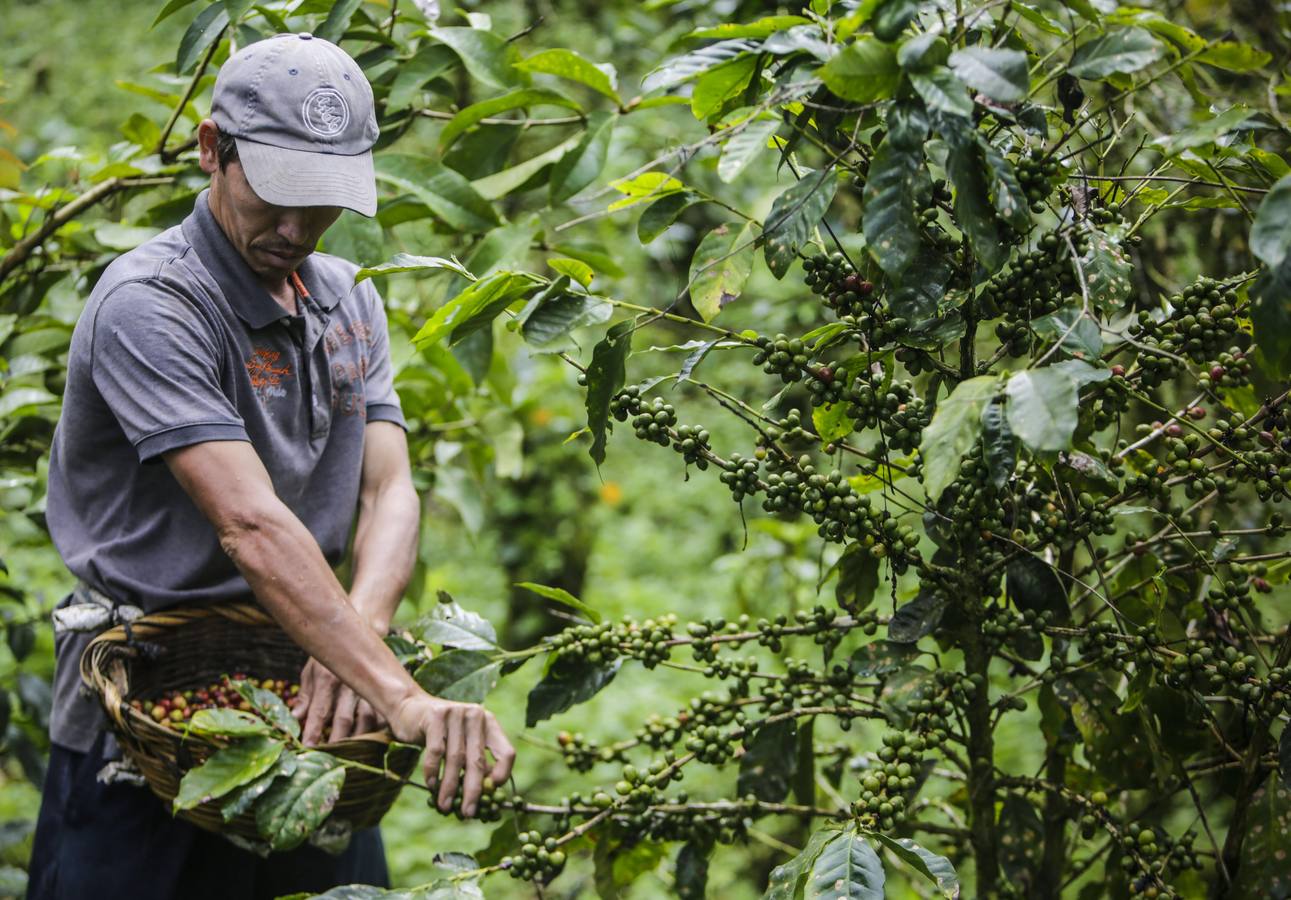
292,580
385,549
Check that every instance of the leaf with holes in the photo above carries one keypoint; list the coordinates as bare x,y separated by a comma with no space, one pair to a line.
846,869
721,265
452,626
881,658
295,806
769,762
605,376
788,879
936,869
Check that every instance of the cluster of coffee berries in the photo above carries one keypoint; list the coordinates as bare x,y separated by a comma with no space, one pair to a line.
654,421
1202,322
1038,175
177,706
788,430
647,641
783,356
539,859
741,476
626,402
1149,856
580,752
845,292
692,444
884,786
826,385
1036,281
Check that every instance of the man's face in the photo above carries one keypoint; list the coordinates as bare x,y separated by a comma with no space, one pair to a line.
272,239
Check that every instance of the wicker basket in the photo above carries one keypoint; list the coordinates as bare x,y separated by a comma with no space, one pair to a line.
195,646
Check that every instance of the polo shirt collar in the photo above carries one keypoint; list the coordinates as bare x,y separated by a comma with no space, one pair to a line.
249,298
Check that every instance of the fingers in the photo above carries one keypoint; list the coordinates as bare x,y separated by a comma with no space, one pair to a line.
345,714
434,749
504,754
475,739
301,707
454,755
366,719
321,703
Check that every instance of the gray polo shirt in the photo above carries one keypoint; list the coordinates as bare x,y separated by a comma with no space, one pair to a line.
180,344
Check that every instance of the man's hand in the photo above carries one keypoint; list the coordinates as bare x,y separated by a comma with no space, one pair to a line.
456,735
324,700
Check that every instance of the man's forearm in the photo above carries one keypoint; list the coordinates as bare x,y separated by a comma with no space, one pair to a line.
290,576
385,551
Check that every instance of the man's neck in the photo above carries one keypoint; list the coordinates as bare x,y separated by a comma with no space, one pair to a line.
284,293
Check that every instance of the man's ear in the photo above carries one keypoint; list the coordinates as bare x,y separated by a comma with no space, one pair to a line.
208,157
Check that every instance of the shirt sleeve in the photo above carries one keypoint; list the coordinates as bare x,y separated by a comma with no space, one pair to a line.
156,362
378,388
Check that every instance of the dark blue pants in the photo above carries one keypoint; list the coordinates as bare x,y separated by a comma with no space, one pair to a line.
119,841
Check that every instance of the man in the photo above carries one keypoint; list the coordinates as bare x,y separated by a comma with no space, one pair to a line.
229,405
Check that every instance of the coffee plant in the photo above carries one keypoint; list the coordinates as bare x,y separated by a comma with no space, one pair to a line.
1043,458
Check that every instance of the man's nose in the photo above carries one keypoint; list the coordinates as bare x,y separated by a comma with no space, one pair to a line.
294,226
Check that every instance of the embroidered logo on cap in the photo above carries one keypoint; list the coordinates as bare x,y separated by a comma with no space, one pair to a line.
325,112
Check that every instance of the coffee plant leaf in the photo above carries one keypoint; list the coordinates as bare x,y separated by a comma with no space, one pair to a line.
451,625
204,31
620,858
1033,584
858,578
999,73
240,800
21,638
690,875
563,597
943,91
891,18
465,676
1113,742
567,683
1206,131
847,868
902,688
1042,408
520,99
769,762
1115,51
1021,841
746,144
659,215
475,308
171,7
1270,236
758,28
1005,190
863,72
338,20
568,64
888,216
227,768
605,377
719,269
974,211
1106,271
270,707
788,879
1263,871
720,84
1078,334
936,869
793,218
832,422
683,68
296,805
445,193
955,427
999,446
1271,318
547,321
487,57
880,658
429,62
227,723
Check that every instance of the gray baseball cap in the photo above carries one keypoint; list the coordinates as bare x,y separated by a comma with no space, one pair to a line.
302,114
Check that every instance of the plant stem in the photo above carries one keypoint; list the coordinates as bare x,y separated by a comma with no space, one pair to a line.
981,768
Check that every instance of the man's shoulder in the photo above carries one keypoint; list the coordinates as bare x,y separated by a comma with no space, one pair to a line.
164,261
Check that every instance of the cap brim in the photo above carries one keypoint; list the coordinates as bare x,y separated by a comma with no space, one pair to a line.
301,178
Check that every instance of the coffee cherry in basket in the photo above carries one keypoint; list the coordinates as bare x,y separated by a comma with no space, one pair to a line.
177,706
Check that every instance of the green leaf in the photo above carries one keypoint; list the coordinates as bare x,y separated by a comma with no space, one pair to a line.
1270,238
891,18
721,265
579,167
943,92
858,578
794,216
788,879
547,325
1118,50
575,268
1006,193
338,20
955,426
863,72
475,307
684,68
567,64
485,55
1033,584
1022,841
1080,337
659,215
238,801
1107,271
270,707
690,876
846,869
917,618
881,658
605,377
888,217
832,422
567,683
1284,756
295,806
936,869
465,676
1234,56
227,768
719,84
745,145
999,73
446,192
170,9
563,597
453,626
769,762
998,443
1042,408
646,186
428,63
522,99
405,262
974,211
1204,132
759,28
922,52
205,30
